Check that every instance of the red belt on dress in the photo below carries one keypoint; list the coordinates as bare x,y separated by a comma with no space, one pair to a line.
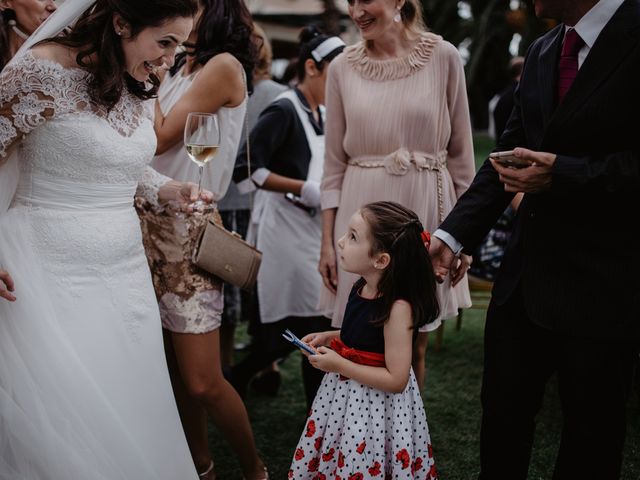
361,357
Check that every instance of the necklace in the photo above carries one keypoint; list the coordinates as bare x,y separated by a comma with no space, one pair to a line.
20,33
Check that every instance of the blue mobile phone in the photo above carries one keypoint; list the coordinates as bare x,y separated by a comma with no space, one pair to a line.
290,336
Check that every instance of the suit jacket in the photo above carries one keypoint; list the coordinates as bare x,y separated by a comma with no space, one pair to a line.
575,249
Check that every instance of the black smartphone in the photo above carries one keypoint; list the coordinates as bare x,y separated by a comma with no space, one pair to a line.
507,159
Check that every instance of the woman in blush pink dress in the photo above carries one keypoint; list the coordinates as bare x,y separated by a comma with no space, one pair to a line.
398,129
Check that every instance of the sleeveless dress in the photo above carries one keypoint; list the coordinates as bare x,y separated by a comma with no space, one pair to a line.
84,387
413,145
357,432
190,299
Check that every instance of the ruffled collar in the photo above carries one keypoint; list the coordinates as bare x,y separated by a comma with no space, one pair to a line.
394,68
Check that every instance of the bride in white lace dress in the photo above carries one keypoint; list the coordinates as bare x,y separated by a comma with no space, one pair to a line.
84,389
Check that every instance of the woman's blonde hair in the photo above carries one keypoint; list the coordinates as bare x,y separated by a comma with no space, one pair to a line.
412,18
265,54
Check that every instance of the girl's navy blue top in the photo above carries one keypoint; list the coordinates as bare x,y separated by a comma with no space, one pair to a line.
357,331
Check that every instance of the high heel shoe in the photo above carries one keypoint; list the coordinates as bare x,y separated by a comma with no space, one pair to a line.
208,474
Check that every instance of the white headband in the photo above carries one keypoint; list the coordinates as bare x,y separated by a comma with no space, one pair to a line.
326,47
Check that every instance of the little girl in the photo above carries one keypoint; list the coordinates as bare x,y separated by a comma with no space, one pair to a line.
368,420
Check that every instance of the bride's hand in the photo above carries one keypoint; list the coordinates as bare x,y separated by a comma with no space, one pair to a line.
6,286
182,194
188,193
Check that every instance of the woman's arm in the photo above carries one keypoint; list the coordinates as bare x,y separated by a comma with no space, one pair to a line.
279,183
328,267
335,160
219,84
460,159
266,139
393,377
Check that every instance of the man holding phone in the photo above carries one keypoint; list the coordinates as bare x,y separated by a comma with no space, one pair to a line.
567,298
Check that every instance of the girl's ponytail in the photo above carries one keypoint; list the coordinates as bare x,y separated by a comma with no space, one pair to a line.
398,231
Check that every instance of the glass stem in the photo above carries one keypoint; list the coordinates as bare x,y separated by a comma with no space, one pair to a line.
201,168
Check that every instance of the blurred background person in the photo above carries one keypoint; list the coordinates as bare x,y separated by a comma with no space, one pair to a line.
211,76
398,129
287,155
234,207
18,20
501,108
488,256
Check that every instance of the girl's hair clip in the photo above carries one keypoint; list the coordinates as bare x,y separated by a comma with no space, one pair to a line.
426,238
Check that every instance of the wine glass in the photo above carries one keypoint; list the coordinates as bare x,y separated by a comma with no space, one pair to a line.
202,141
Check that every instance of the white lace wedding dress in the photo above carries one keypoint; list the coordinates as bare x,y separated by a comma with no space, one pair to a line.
84,388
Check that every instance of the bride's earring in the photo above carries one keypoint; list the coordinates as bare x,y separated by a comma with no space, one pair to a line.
398,17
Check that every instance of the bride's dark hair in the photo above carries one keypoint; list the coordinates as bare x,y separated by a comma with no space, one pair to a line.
225,27
93,34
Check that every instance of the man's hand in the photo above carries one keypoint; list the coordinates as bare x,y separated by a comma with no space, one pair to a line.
442,259
532,179
6,286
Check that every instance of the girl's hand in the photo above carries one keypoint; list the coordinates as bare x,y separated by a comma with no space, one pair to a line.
457,274
6,286
320,339
326,360
328,267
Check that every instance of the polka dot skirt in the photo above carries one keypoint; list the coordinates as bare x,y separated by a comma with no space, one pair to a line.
355,432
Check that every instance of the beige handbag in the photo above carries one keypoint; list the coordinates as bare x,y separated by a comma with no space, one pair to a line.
225,254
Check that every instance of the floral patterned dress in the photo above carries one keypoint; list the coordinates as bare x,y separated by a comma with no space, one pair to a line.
356,432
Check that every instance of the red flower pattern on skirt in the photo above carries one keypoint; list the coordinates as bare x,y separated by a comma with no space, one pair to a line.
375,469
311,429
331,449
329,455
313,464
403,457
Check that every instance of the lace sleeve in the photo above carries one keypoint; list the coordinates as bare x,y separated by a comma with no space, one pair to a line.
27,99
149,185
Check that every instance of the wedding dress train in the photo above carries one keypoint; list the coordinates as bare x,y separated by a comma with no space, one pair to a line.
84,388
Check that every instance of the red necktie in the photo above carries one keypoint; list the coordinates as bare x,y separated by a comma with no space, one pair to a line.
568,66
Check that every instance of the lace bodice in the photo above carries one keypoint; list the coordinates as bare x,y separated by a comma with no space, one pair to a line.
65,135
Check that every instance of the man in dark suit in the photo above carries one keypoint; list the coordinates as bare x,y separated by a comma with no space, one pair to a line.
567,297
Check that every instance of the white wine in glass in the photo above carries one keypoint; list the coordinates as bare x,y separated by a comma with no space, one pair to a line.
202,141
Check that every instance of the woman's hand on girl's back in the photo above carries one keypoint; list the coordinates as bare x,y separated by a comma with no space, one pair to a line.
320,339
6,286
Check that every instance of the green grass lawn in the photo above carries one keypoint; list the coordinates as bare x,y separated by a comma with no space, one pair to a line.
453,410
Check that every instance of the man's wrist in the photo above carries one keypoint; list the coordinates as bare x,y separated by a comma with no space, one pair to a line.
449,240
